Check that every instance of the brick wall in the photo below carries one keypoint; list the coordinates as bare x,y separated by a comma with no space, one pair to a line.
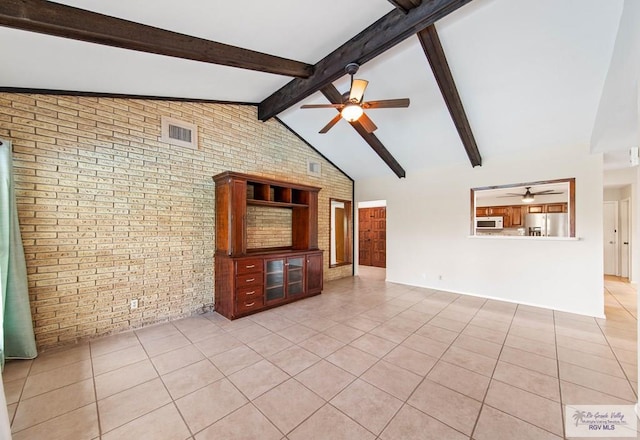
268,227
109,213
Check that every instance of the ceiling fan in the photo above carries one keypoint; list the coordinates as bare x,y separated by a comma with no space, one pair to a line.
529,196
353,105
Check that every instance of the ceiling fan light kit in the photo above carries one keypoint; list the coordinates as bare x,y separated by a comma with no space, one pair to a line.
527,198
357,90
352,112
353,106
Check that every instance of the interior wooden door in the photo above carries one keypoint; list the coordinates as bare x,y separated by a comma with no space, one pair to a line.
372,236
379,237
364,236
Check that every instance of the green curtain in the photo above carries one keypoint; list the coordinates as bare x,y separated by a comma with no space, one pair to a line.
17,340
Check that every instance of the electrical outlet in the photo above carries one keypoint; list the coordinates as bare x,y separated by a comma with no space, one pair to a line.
134,304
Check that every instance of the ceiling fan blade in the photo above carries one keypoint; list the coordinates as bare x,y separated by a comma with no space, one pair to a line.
321,106
367,123
546,192
331,123
387,103
357,89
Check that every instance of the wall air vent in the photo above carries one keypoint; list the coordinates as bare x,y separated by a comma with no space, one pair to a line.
313,168
180,133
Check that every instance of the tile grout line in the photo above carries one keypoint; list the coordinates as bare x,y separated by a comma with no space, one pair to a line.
617,360
21,392
484,398
41,394
173,402
95,392
249,401
328,402
405,402
438,359
512,415
562,404
607,290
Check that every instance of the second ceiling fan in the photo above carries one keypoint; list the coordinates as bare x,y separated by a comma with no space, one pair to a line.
529,195
353,105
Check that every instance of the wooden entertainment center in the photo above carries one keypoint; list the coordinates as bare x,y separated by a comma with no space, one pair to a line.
248,280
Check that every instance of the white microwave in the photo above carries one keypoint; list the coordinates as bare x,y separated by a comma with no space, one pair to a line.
488,223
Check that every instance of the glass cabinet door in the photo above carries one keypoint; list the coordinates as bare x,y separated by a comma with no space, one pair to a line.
274,289
295,275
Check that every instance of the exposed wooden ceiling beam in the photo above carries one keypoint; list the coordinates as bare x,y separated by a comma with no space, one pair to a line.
382,35
335,97
435,54
405,5
68,22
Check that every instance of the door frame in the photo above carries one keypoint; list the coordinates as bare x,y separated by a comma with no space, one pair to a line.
616,250
625,249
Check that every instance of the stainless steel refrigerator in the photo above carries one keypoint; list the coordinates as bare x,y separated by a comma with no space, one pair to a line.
547,225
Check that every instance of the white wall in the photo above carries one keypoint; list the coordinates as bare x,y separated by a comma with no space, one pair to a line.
615,127
428,226
372,204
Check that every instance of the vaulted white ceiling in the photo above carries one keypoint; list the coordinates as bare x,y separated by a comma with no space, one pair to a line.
530,73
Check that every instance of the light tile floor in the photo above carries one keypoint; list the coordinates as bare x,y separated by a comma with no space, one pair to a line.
366,359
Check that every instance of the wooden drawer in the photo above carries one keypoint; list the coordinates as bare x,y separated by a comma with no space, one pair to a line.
246,305
249,293
249,280
249,266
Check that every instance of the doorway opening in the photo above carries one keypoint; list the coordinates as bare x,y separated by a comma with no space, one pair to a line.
617,236
340,244
372,238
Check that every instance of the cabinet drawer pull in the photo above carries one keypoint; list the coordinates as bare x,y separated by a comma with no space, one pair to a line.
250,266
250,280
250,304
250,293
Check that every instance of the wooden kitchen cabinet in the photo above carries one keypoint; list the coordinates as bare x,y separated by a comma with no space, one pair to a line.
492,211
502,211
557,207
535,209
513,216
506,212
547,208
517,219
499,210
250,280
